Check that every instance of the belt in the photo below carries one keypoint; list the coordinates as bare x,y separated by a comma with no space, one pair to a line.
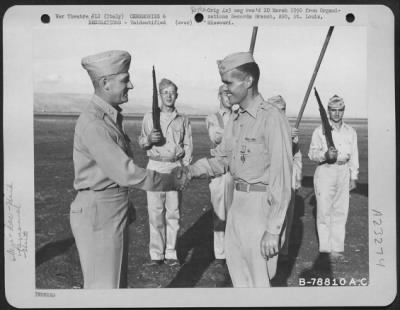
163,159
97,190
246,187
339,163
83,189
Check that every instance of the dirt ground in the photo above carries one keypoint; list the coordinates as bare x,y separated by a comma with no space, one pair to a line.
57,262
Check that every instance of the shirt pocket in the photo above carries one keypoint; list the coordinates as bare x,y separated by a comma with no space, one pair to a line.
253,157
345,148
76,206
178,132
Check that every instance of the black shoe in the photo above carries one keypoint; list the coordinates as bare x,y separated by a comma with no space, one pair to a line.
172,262
154,262
220,262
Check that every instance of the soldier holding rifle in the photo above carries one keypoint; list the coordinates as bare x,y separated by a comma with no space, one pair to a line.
168,141
104,169
334,147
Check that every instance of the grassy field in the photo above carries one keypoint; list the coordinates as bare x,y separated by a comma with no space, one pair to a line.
57,262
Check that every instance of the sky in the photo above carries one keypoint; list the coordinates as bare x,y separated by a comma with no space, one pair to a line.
287,56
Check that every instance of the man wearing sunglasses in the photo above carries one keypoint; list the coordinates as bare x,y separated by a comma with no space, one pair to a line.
334,177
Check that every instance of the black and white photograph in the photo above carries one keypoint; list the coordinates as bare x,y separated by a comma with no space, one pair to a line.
222,151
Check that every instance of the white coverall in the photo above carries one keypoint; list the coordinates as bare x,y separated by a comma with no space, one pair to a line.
331,185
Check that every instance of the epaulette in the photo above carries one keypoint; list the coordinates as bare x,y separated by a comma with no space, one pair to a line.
184,116
99,113
268,105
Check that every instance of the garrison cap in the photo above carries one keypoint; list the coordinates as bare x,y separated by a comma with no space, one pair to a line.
336,102
278,101
106,63
164,83
233,61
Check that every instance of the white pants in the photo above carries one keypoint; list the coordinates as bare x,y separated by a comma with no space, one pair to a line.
245,227
164,215
221,194
99,222
331,184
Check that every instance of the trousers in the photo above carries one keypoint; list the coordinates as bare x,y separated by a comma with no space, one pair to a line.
244,229
331,185
221,195
164,216
99,223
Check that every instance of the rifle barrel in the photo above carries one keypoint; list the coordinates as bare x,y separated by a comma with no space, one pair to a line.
155,108
325,122
314,75
253,39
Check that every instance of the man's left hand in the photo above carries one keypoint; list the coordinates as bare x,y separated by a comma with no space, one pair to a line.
295,132
182,177
269,245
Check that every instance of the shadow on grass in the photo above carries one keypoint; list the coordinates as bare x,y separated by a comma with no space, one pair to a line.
195,252
53,249
321,269
362,188
285,267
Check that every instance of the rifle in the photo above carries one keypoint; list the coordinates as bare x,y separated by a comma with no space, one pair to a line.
314,75
326,126
156,108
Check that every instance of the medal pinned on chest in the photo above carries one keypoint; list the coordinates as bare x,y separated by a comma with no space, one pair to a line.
242,153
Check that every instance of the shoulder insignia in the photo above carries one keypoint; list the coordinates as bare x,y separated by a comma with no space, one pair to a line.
267,106
98,113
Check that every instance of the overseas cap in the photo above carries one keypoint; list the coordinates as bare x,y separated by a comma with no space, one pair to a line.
106,63
164,83
278,101
336,102
233,61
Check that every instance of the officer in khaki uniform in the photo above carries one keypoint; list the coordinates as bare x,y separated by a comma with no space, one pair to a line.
257,149
163,207
221,188
104,168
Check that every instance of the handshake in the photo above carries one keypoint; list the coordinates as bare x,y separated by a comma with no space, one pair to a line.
182,177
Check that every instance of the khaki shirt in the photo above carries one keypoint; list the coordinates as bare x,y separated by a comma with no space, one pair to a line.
345,140
256,149
177,132
103,155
